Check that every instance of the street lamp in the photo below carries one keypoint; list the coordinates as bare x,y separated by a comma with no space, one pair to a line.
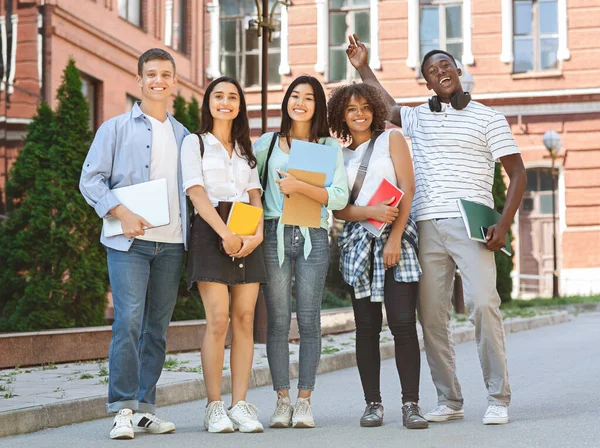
466,79
266,20
553,144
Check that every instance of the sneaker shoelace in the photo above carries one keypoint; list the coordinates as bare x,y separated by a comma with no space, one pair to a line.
218,411
123,419
302,407
495,410
282,407
250,410
412,409
373,407
440,409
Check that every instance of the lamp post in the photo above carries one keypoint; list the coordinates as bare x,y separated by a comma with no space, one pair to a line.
266,20
553,144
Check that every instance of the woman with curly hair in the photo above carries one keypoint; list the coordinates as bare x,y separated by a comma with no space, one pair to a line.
296,251
384,268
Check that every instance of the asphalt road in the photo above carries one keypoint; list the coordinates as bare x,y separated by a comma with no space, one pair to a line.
555,381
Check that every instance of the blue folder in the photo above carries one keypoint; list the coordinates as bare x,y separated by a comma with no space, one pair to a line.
313,157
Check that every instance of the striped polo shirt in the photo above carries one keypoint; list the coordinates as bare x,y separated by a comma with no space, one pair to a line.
454,152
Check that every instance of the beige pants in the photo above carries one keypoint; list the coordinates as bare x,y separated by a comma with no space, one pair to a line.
443,246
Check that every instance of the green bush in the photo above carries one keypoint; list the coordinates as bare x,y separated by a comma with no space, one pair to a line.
55,272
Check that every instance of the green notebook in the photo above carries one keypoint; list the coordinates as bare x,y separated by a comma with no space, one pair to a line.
478,218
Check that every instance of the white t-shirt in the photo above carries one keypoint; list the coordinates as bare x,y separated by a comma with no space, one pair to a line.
454,153
163,165
223,178
380,166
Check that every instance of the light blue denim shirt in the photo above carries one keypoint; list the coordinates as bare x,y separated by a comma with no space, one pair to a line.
273,205
120,156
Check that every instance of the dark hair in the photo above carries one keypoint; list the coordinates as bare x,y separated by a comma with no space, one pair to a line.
319,127
240,132
339,99
151,55
433,53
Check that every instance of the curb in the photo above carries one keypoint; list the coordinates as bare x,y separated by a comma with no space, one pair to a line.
36,418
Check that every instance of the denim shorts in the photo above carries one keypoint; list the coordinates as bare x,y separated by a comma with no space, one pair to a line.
206,263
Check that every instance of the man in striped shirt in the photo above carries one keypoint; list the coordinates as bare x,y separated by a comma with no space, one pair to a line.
455,143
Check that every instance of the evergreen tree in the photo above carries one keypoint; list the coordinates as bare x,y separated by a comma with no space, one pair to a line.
2,211
194,114
504,263
33,157
58,265
180,110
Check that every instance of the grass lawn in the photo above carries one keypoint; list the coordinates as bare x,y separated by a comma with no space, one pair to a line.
542,302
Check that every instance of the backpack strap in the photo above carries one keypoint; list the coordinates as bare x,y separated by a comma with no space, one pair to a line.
201,145
362,169
265,176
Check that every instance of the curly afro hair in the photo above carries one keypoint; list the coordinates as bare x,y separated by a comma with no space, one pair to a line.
338,101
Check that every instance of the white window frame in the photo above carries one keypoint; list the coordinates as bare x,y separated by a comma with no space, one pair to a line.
413,59
507,55
214,12
322,65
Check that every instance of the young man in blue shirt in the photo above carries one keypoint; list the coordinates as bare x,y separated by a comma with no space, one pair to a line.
144,263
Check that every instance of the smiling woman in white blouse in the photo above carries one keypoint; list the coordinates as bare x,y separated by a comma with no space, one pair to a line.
218,165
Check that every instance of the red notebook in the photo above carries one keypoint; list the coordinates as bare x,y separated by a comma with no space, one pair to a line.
384,192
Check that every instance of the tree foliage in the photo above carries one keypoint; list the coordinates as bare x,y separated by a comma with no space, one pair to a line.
180,112
194,114
55,274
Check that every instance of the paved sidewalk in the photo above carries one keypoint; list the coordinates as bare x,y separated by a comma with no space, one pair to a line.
55,395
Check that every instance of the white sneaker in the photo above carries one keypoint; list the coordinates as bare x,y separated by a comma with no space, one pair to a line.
244,417
303,416
122,425
216,419
444,413
282,417
496,414
152,424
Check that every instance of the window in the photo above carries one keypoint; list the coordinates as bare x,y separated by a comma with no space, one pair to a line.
240,47
538,194
90,90
346,17
176,25
131,10
440,27
535,35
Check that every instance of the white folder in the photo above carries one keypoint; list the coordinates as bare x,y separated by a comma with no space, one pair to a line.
150,200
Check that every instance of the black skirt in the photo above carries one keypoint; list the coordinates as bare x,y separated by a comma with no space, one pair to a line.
206,263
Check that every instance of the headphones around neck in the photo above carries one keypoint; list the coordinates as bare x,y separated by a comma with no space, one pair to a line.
459,101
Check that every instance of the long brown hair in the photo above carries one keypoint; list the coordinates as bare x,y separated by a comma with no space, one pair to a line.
240,131
319,127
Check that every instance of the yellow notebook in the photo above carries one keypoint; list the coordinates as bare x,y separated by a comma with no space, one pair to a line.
244,218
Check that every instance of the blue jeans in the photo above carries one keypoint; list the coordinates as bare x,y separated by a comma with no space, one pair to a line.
144,283
310,275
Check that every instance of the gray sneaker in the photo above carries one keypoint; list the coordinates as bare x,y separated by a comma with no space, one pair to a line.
373,415
412,417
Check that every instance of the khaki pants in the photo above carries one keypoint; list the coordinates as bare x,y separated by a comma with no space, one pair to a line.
444,245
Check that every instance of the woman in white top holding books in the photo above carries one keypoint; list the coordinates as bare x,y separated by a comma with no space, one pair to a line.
218,166
379,266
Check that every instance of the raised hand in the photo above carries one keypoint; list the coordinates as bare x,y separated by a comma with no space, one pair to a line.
357,53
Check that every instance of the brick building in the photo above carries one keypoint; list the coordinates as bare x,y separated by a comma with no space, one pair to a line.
105,37
534,60
537,61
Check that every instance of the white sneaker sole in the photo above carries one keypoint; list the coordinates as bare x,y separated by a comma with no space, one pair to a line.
167,430
248,430
122,435
303,424
495,421
280,424
444,418
226,429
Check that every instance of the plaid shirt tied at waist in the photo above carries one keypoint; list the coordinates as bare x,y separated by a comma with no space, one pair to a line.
355,259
